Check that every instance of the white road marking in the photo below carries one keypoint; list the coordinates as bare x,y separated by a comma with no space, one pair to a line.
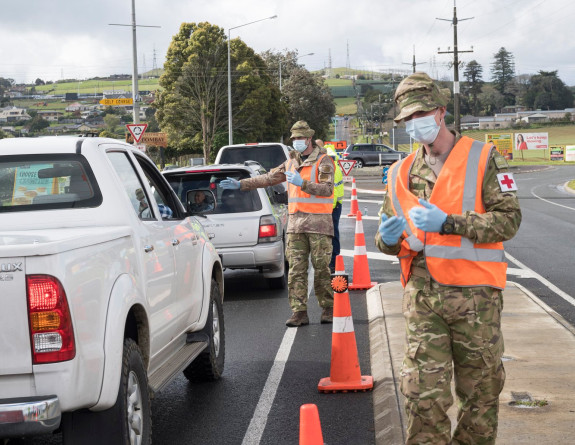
551,202
259,420
568,298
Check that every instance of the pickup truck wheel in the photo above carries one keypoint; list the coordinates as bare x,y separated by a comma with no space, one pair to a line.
129,421
209,365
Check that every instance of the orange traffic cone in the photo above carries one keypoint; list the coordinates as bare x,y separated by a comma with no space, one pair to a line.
354,208
361,278
345,374
309,426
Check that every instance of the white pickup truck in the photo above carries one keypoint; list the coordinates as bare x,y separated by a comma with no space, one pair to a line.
108,290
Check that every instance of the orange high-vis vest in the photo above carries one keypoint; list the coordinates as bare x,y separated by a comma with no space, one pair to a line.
299,201
452,260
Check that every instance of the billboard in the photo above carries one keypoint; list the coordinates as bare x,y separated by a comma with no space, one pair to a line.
503,142
531,141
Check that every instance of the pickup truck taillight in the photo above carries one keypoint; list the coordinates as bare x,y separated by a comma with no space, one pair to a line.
50,322
268,231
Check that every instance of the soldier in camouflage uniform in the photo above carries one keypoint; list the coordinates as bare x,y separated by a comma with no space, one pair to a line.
309,230
452,316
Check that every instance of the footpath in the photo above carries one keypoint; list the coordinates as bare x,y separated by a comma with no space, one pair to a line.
537,405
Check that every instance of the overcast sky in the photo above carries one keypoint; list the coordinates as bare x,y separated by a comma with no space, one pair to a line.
58,39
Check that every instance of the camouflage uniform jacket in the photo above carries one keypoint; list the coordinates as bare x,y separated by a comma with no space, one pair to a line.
500,221
302,222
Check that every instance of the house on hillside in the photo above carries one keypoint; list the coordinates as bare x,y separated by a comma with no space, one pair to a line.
13,114
50,115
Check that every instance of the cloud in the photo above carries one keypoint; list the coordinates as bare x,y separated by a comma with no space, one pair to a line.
72,38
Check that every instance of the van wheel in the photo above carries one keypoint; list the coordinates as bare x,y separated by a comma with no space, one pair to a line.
129,421
359,163
209,365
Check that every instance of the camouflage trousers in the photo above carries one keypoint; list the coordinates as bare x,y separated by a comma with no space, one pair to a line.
300,247
452,330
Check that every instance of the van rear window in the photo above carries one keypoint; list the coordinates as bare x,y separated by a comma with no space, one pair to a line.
42,182
269,156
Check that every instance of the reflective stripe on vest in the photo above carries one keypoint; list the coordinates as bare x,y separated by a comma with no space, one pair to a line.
299,201
451,259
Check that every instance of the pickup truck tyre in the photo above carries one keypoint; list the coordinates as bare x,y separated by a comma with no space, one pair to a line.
129,421
209,365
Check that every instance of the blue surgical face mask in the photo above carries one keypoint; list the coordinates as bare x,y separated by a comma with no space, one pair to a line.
300,145
423,129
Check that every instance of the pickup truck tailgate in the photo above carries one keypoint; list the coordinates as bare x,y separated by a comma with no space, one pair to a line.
16,357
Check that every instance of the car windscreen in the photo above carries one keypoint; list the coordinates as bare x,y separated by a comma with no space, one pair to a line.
42,182
228,201
269,156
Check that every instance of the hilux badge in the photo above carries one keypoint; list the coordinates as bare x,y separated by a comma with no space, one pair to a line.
11,267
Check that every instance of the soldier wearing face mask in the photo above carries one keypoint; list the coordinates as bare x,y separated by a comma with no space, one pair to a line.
310,176
448,208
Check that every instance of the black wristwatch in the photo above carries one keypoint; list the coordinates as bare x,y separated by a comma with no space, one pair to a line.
448,226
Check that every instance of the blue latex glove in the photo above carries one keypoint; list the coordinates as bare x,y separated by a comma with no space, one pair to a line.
294,178
391,229
230,184
428,218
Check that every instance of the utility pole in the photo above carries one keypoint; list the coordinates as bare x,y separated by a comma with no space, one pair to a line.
455,52
414,63
135,105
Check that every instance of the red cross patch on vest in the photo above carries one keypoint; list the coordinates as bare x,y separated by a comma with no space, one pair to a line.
506,182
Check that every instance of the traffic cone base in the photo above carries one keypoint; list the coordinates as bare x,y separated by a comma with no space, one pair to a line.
326,385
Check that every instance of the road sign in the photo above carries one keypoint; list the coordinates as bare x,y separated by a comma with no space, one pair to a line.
122,101
137,130
155,139
346,166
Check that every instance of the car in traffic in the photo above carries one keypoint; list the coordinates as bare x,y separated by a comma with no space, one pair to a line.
372,154
109,290
268,154
247,227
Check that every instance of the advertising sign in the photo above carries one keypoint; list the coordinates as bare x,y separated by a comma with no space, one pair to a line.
121,101
27,184
557,152
531,141
570,152
503,142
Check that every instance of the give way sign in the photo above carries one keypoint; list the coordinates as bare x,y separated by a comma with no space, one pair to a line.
137,131
346,166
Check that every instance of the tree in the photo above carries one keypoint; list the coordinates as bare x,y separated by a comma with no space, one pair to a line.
39,82
309,99
112,122
474,83
546,91
491,100
37,123
192,106
503,72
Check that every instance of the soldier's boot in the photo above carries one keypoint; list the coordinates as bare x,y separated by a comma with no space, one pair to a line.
327,315
299,318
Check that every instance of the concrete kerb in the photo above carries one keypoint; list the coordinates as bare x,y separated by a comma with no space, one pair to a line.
539,358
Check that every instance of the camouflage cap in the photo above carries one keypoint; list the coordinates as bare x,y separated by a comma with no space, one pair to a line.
301,130
419,92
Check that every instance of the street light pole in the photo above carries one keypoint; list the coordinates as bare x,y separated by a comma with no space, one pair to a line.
230,126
